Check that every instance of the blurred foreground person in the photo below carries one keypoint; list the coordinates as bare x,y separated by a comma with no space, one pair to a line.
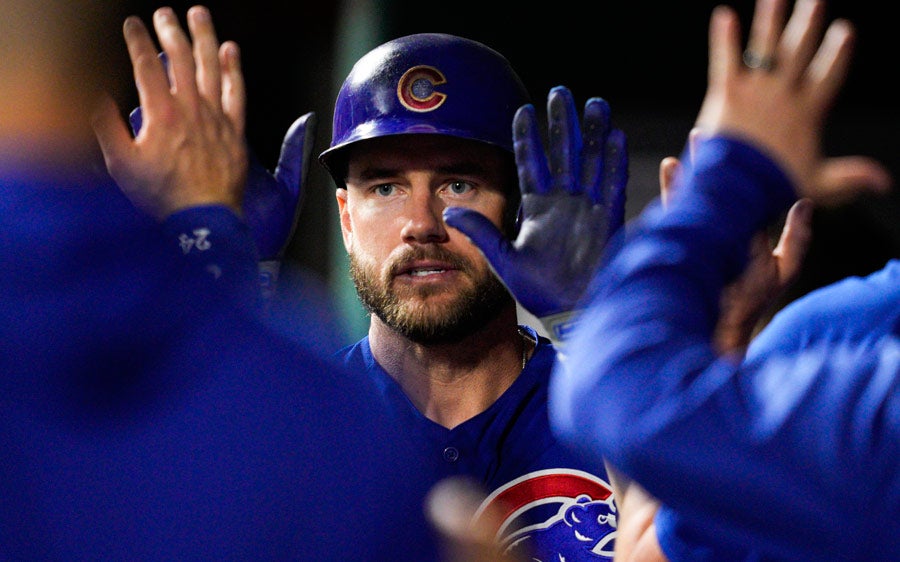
789,452
146,412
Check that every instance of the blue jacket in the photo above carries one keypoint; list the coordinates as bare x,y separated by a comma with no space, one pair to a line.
148,412
789,454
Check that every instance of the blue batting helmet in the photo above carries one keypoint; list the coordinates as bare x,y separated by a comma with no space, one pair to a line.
428,83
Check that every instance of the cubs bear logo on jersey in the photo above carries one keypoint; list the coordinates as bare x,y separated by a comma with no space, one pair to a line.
556,514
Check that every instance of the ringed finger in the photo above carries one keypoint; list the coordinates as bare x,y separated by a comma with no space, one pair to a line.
765,29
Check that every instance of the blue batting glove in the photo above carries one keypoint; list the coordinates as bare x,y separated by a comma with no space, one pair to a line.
272,201
571,206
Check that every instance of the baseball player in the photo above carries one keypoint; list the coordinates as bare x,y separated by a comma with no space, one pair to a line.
424,123
450,103
789,452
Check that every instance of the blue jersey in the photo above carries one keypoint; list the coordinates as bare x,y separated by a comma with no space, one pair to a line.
790,453
558,504
147,411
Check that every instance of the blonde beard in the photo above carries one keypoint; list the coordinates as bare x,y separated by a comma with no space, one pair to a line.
440,321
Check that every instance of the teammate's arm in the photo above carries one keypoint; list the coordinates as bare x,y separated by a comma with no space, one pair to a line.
769,272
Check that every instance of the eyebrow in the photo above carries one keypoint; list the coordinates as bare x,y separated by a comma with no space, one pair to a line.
468,168
374,173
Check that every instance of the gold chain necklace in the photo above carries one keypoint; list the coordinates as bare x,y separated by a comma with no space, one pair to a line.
527,342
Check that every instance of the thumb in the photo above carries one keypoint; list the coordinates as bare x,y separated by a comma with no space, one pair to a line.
296,151
466,534
483,233
111,132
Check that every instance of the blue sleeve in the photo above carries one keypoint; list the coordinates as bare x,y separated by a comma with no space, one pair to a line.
757,452
217,253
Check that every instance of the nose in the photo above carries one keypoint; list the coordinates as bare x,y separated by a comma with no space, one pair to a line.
424,219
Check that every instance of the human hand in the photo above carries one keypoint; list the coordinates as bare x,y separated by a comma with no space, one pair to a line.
271,201
769,272
573,200
191,149
636,539
780,98
465,534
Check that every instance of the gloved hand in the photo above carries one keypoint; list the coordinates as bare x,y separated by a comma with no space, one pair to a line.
571,205
272,201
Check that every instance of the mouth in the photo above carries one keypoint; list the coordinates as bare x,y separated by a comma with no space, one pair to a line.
425,270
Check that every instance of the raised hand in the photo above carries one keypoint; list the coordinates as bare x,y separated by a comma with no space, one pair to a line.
573,200
271,201
191,149
465,534
778,93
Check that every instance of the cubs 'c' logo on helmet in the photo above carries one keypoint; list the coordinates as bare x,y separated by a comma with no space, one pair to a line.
556,514
416,88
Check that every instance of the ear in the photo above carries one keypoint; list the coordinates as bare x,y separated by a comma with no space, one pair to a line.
346,224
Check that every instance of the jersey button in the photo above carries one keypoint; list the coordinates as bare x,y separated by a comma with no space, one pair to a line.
451,454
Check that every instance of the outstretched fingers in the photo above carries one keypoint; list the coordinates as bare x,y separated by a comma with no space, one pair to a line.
794,242
534,176
296,151
724,47
841,179
828,70
765,32
595,133
112,133
205,55
565,140
177,47
615,179
800,38
234,92
149,72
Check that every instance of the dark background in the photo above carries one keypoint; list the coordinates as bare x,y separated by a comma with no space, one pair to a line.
648,60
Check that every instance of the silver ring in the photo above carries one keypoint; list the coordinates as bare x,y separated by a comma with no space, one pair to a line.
753,60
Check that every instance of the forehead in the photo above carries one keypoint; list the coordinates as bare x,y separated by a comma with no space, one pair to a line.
433,152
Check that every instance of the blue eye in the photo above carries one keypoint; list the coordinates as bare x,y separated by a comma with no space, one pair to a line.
460,187
384,189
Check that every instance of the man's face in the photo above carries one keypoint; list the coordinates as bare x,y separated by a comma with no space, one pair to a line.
420,277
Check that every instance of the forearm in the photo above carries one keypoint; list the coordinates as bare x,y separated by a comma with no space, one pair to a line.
216,252
655,301
644,366
698,431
